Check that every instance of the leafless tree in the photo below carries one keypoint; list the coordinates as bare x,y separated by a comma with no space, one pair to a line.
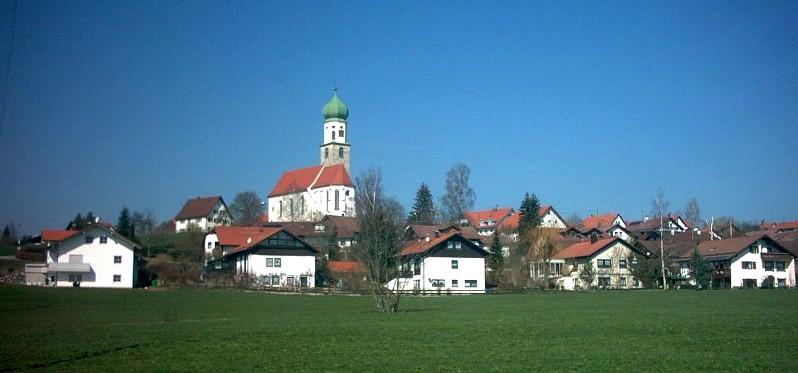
459,196
246,207
379,239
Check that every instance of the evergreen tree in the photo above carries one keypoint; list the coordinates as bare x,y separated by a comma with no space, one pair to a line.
424,209
700,269
124,226
496,259
78,222
529,218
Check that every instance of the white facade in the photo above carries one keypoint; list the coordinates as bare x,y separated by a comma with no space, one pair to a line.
288,271
748,268
551,220
451,264
617,231
96,257
313,204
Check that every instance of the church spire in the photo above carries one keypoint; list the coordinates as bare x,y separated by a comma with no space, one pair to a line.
335,148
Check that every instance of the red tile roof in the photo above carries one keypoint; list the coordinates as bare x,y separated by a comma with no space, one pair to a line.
198,207
345,227
311,177
57,235
583,249
497,215
238,236
422,246
511,222
344,266
602,222
789,225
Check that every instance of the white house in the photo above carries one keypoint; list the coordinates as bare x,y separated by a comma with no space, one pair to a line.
271,255
611,258
447,263
745,262
205,213
95,256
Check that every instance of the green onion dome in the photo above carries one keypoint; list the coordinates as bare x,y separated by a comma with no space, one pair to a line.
335,110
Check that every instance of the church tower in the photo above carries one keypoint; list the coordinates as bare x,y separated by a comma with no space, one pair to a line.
335,149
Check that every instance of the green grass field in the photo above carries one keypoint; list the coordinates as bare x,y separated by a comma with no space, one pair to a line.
226,330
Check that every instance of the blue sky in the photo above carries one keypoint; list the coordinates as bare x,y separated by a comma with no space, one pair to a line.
593,106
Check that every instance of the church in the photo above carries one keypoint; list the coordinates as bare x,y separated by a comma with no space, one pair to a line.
310,193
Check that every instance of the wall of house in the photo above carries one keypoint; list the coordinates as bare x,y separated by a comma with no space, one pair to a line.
440,268
218,216
551,220
101,258
211,242
291,267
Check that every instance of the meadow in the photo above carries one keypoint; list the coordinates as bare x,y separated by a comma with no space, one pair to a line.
46,329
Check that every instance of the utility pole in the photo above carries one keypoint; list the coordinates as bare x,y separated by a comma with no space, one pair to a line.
662,252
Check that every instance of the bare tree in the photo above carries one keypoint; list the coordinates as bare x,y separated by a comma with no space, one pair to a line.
692,213
246,207
379,239
659,204
143,222
574,219
540,250
459,196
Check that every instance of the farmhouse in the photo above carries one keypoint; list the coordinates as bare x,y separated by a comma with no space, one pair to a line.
745,262
448,262
96,256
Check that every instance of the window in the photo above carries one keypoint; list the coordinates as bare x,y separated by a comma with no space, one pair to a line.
754,249
89,239
782,283
455,264
340,133
319,227
302,205
277,262
749,265
770,266
454,245
340,152
269,262
281,208
603,281
635,282
117,259
103,239
289,281
604,263
437,283
326,153
470,283
117,278
210,245
275,280
454,283
634,264
265,280
333,135
621,263
337,202
622,281
780,266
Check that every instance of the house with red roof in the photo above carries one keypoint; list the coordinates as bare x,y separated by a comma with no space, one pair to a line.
612,260
448,262
310,193
95,256
745,262
506,219
272,256
204,213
